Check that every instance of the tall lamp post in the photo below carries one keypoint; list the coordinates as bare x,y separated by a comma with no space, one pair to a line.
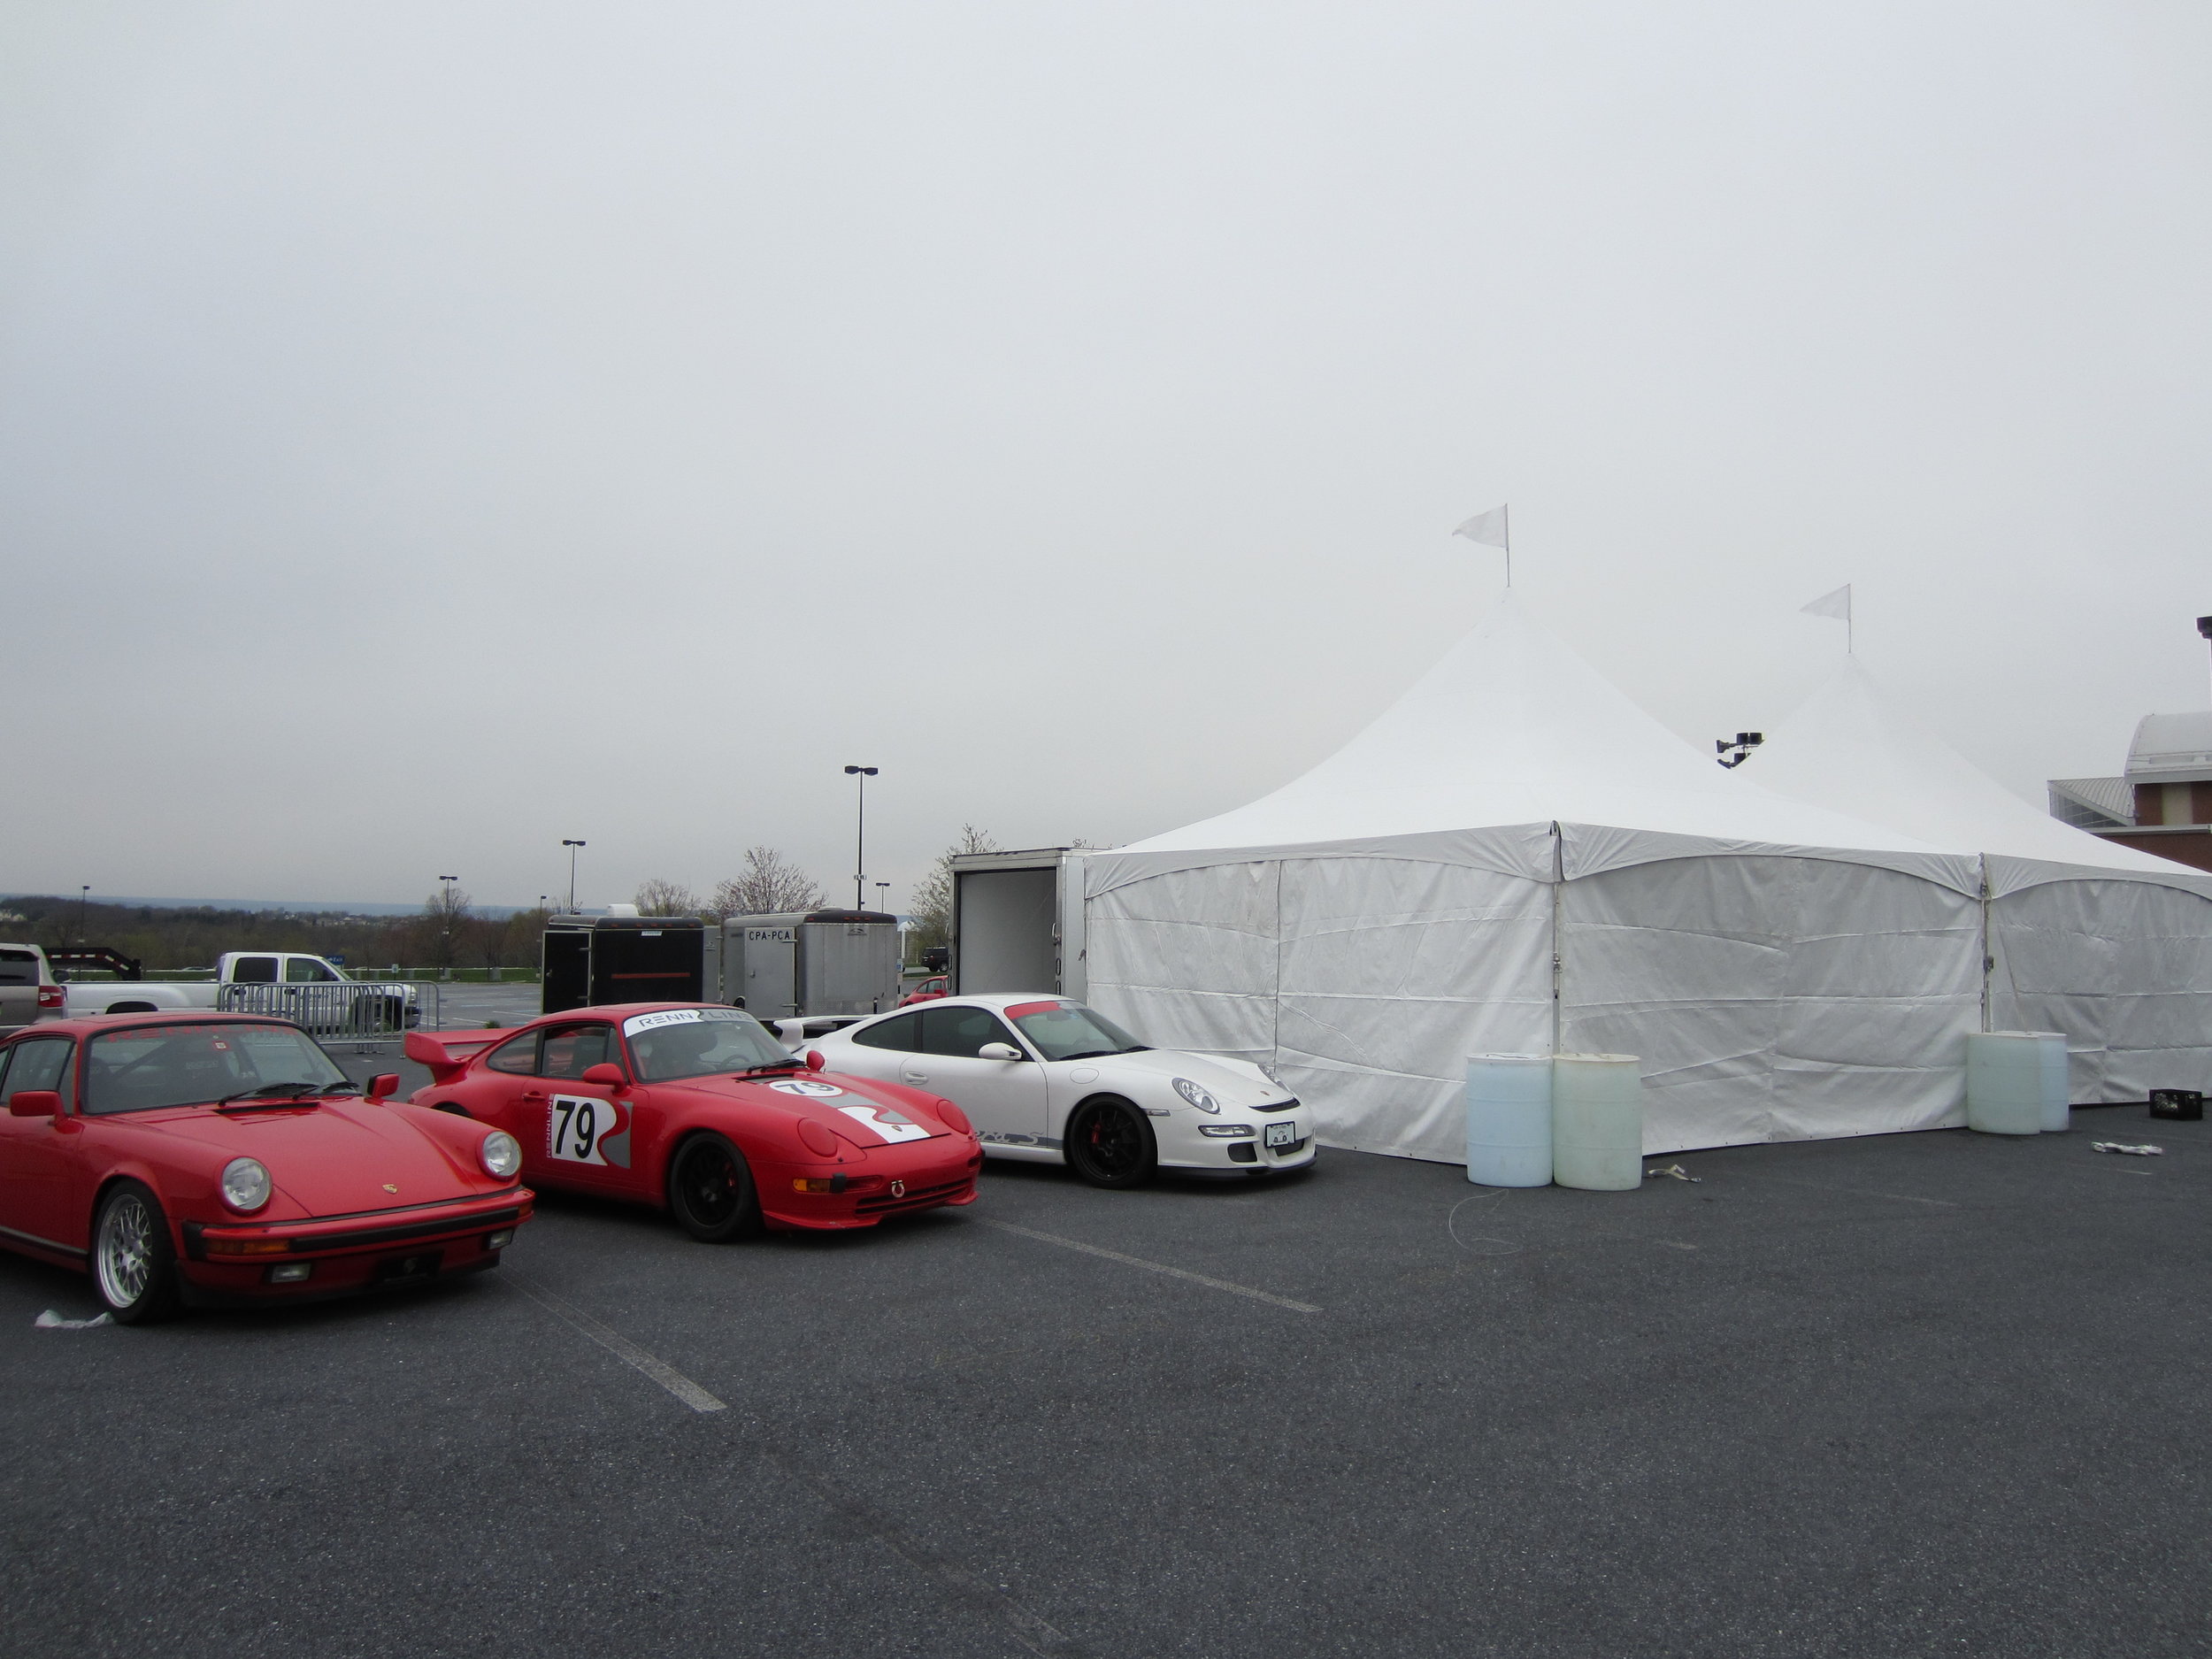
572,846
84,901
860,775
446,905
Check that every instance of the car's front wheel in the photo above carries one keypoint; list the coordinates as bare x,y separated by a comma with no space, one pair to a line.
1109,1144
711,1190
133,1264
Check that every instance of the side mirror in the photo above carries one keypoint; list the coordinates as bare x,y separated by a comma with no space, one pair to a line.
606,1074
998,1051
383,1086
814,1061
35,1102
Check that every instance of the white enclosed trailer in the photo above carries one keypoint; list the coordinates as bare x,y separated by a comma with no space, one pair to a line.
1018,922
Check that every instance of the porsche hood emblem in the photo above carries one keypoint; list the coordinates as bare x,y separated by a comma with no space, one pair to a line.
389,1188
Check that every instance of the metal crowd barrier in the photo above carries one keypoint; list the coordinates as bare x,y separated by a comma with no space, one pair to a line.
346,1009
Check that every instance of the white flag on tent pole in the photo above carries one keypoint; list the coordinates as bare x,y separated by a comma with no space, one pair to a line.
1488,528
1836,605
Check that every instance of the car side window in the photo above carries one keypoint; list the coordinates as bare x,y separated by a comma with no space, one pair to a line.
519,1055
18,967
39,1063
305,970
254,970
961,1032
903,1032
572,1050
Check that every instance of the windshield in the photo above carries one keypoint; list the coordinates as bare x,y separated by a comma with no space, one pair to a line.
1069,1031
150,1066
700,1043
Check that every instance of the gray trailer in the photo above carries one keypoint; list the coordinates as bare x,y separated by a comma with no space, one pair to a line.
812,963
1018,922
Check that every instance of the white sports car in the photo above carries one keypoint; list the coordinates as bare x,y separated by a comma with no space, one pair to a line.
1050,1081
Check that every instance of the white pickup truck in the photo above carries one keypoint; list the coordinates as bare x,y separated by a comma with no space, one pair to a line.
304,990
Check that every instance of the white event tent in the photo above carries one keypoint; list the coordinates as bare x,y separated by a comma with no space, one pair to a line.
2109,945
1516,859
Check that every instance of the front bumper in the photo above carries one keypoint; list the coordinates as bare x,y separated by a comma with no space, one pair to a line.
1184,1144
931,1174
226,1264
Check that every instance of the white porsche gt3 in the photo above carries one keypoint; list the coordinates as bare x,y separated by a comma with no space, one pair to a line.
1047,1080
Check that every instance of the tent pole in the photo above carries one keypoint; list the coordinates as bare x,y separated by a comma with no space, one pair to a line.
1559,896
1989,962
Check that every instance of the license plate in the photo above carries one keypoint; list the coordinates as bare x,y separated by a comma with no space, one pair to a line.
1282,1134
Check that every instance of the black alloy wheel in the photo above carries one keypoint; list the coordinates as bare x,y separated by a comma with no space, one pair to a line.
133,1263
1109,1144
712,1191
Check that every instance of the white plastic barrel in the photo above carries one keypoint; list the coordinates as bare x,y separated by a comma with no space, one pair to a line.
2058,1083
1508,1119
2004,1082
1597,1121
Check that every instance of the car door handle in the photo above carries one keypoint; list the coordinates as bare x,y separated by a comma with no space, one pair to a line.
531,1094
912,1075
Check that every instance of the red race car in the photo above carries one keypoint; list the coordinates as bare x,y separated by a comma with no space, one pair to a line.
696,1109
220,1159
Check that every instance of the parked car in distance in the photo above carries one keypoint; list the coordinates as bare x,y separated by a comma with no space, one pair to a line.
210,1159
27,991
1047,1079
307,990
696,1109
928,991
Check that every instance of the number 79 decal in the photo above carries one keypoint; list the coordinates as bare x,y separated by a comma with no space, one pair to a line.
581,1130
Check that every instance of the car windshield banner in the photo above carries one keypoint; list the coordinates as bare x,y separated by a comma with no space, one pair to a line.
678,1016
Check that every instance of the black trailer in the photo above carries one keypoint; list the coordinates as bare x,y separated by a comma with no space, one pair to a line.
590,960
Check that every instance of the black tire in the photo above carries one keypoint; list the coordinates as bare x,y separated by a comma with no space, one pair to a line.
1109,1144
711,1192
455,1107
134,1263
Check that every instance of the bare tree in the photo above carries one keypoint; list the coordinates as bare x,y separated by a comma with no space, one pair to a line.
771,885
932,906
658,896
445,916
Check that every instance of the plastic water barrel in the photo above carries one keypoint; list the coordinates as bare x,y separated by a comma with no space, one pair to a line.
1597,1121
2058,1083
2004,1082
1508,1119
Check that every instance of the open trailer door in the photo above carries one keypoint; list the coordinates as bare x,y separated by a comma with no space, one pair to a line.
1016,922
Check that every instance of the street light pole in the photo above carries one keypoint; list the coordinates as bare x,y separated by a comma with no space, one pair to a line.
84,899
445,906
860,775
572,846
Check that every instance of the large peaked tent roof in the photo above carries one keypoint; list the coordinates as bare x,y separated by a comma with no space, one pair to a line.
1850,748
1511,727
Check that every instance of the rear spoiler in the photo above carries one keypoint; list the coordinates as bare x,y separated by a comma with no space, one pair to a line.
447,1052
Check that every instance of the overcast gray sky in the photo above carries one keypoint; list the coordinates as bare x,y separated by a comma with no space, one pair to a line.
428,432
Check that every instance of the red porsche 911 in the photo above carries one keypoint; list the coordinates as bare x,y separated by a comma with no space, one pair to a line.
697,1110
221,1159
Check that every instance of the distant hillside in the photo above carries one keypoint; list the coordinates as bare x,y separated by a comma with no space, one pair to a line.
192,936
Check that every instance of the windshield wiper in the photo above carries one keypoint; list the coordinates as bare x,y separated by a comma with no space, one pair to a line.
1099,1053
784,1064
295,1091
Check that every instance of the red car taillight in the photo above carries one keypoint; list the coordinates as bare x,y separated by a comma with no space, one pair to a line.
52,996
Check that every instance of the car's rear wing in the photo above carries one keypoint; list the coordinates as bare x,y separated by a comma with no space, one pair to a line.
447,1053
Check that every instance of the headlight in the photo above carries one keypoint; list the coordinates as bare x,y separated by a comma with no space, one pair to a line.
245,1184
502,1154
1195,1093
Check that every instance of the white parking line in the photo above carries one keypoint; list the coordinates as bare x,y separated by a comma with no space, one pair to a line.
1151,1267
628,1352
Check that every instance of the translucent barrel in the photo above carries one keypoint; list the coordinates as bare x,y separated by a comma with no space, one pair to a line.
2058,1083
1597,1122
2004,1082
1508,1119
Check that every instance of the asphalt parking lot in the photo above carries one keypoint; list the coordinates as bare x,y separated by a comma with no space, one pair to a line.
1916,1394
